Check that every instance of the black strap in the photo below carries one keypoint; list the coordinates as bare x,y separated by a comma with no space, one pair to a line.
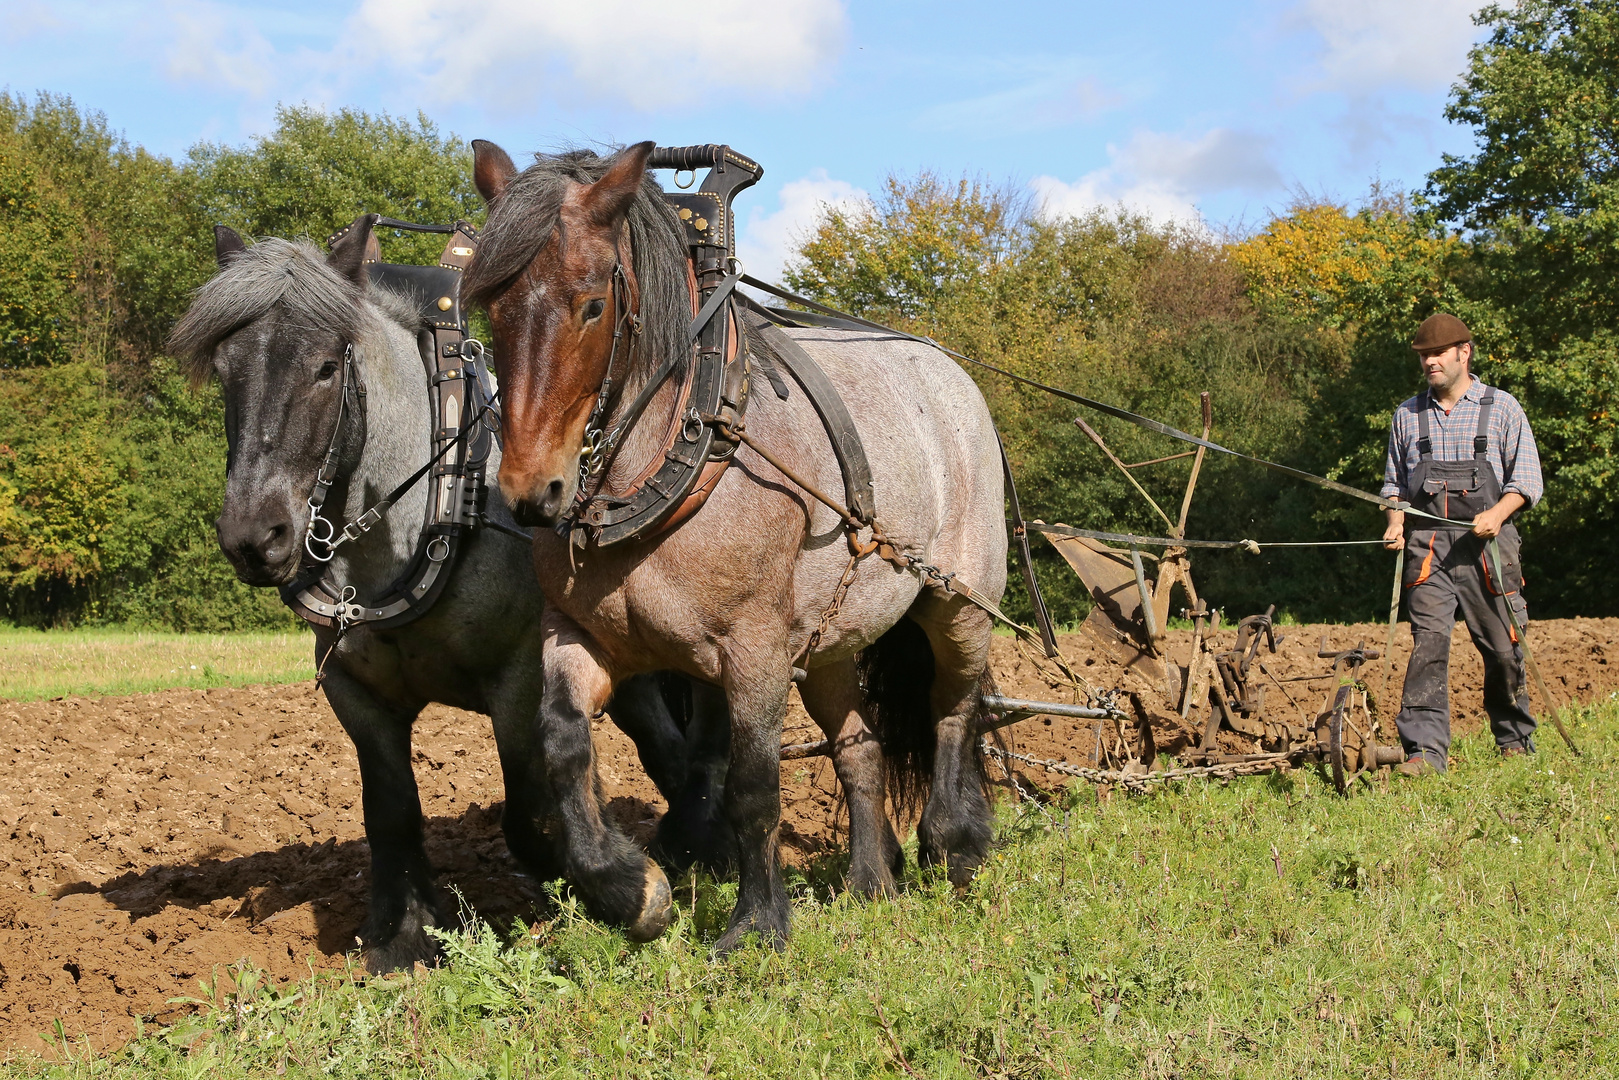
1020,533
1424,443
1481,439
715,300
411,226
840,426
363,524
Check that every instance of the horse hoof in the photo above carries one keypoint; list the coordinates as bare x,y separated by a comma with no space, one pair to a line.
737,936
657,906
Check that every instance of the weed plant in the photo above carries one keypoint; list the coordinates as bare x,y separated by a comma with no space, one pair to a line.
1442,927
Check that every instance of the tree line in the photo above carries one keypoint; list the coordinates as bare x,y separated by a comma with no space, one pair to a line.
112,468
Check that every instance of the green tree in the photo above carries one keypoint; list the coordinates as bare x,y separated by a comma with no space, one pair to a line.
1539,200
111,468
318,171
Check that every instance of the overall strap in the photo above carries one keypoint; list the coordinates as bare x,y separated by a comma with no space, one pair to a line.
1424,442
1481,438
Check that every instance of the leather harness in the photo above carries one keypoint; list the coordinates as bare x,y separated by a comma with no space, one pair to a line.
464,427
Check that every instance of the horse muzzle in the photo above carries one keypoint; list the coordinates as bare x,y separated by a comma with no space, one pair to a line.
540,502
262,548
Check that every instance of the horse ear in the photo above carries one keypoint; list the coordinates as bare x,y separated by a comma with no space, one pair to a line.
609,198
349,248
492,169
227,245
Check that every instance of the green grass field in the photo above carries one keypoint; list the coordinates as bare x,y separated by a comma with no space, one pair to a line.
1455,927
37,664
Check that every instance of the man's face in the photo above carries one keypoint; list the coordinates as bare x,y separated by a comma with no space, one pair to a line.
1447,367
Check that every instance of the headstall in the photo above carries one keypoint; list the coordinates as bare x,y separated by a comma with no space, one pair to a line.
464,425
711,397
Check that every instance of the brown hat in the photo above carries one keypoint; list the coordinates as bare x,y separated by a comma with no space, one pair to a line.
1440,332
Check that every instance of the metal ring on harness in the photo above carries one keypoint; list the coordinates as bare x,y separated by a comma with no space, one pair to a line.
442,546
736,265
313,536
692,430
691,178
472,349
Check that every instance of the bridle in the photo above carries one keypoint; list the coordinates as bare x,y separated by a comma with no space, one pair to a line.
600,445
320,532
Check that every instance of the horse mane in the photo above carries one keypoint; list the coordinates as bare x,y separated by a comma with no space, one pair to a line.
523,218
291,275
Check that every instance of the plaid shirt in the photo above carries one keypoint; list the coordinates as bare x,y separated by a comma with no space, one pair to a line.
1512,454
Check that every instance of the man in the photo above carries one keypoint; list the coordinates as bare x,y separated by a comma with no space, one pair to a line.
1463,451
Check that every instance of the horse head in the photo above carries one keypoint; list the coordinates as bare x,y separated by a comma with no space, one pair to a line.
278,324
554,305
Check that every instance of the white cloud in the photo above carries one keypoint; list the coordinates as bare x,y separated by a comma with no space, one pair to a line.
1099,189
24,18
1366,45
1162,176
1059,99
648,54
767,242
218,48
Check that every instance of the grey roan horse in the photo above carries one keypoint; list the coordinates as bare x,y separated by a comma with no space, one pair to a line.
274,323
732,596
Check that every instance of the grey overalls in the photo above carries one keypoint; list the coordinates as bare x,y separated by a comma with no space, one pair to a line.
1446,571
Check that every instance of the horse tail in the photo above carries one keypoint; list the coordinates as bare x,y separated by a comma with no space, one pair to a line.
896,676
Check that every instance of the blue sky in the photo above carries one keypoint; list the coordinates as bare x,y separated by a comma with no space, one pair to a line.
1181,109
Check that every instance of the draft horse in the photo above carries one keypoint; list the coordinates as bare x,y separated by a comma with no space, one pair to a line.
575,247
279,324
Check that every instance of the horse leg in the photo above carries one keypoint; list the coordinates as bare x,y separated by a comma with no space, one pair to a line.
639,708
403,897
833,698
514,709
617,882
955,829
695,830
758,700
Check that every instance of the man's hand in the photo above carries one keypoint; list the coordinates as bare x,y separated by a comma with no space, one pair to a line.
1394,534
1487,526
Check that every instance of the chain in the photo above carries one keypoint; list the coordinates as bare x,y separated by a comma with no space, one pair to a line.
1142,781
836,605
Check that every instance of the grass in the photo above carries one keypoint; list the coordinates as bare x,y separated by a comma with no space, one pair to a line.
1447,927
37,664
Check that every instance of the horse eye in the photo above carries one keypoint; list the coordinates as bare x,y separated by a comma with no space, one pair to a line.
327,370
594,309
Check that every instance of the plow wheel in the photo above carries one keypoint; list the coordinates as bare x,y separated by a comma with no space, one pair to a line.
1335,750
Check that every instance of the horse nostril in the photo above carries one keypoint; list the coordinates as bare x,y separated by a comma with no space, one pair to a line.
275,542
552,503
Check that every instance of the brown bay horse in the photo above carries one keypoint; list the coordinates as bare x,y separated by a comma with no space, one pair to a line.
732,596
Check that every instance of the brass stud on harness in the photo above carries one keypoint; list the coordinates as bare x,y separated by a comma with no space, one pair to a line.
445,303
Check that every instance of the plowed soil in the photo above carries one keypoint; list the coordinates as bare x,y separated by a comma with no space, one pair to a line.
148,841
